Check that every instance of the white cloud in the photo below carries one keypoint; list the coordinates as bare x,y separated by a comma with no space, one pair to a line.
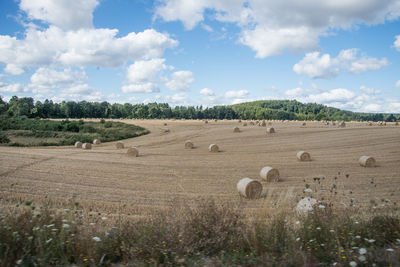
369,91
324,66
13,88
13,69
315,66
180,81
269,27
81,48
236,94
207,28
398,84
296,93
335,95
144,71
148,87
365,64
46,78
65,14
207,92
397,42
372,108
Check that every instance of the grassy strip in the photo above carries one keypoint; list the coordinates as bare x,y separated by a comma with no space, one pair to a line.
21,131
210,235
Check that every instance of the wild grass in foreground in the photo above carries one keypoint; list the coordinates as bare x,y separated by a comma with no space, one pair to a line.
211,235
21,131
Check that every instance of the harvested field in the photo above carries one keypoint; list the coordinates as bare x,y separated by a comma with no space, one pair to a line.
106,180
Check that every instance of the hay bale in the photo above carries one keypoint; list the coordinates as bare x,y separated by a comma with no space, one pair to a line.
165,124
205,121
396,123
342,124
304,124
270,130
249,188
166,130
252,123
119,145
240,121
367,161
86,146
215,120
303,156
370,124
236,130
263,123
189,144
213,148
269,174
132,152
269,123
96,142
78,144
306,205
245,124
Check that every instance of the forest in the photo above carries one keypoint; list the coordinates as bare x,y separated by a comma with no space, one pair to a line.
264,109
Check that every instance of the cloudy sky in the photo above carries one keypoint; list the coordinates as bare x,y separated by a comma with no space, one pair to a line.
342,53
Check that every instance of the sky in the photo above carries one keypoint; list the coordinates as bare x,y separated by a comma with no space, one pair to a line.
340,53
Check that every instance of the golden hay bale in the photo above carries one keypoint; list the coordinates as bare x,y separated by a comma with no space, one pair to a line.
189,144
263,124
133,152
240,121
244,123
215,120
370,124
96,142
396,123
165,124
269,174
303,156
249,188
270,130
213,148
367,161
206,121
342,124
166,130
236,130
304,124
78,144
333,123
86,146
306,205
252,123
269,123
119,145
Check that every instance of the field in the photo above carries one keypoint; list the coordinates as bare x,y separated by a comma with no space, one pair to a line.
105,180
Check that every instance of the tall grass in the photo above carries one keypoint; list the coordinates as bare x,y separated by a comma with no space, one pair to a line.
210,234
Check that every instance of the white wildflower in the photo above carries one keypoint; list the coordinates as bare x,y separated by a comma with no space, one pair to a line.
308,190
363,251
97,239
390,249
353,264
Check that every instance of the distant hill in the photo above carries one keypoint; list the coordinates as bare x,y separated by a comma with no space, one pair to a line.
265,109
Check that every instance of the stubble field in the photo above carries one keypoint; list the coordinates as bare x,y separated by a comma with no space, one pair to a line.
106,181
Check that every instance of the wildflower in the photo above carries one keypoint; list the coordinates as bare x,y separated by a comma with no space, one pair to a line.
363,251
398,240
19,262
297,222
362,258
65,225
180,240
321,207
48,241
335,263
298,239
97,239
64,221
371,240
358,237
318,228
104,218
85,260
50,225
332,231
353,264
92,224
308,190
390,249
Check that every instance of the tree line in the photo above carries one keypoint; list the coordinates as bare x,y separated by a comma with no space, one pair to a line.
257,110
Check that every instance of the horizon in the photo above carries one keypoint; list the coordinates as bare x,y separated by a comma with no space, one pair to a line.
190,53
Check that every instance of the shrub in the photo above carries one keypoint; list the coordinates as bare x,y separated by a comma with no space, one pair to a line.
4,138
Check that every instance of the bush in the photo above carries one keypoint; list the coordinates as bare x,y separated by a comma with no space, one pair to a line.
102,121
4,138
108,124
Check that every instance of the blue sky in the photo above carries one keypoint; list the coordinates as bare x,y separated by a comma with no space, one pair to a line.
341,53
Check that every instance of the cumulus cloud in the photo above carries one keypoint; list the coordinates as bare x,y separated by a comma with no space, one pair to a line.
397,42
236,94
324,66
398,84
13,69
207,92
45,78
66,14
269,27
369,91
14,88
148,87
180,81
84,47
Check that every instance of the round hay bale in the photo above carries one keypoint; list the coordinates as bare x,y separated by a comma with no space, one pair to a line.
205,121
269,123
370,124
303,156
240,121
252,123
306,205
270,130
213,148
119,145
367,161
236,130
189,144
78,144
304,124
245,124
215,120
264,124
96,142
165,124
269,174
397,123
342,124
249,188
86,146
133,152
166,130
